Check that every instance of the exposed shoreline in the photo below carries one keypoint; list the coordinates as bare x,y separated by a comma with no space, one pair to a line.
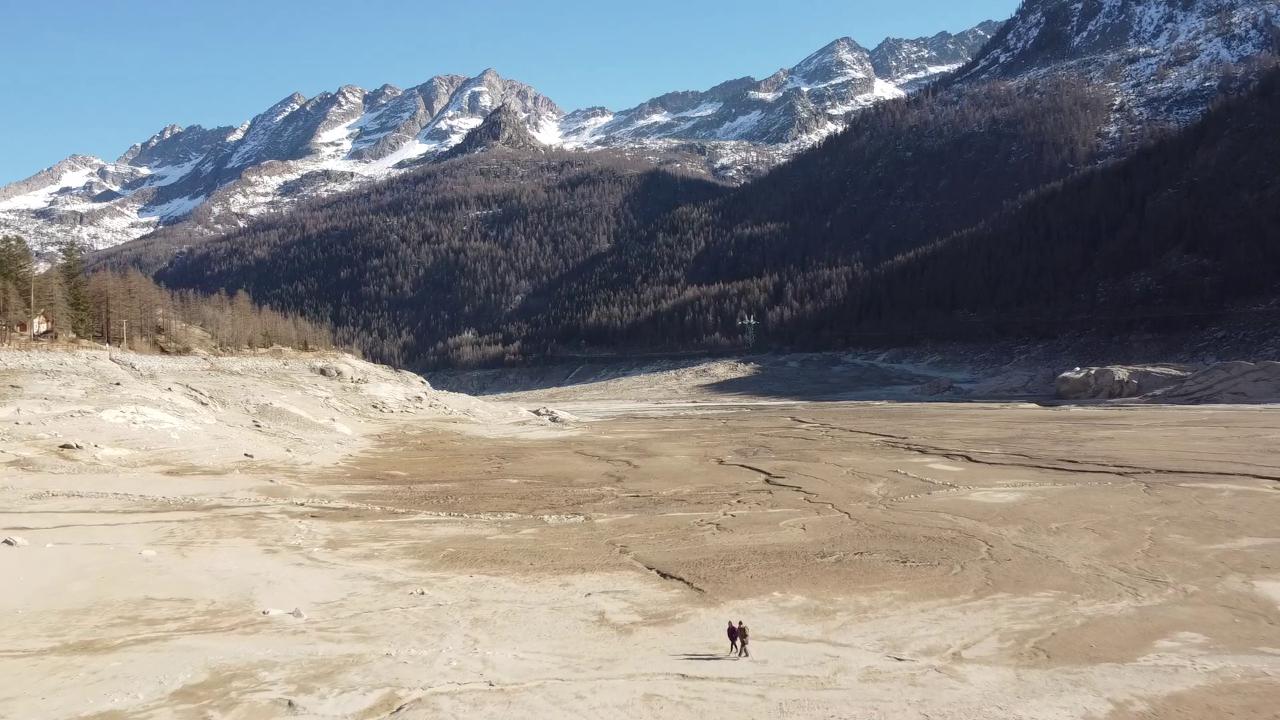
903,560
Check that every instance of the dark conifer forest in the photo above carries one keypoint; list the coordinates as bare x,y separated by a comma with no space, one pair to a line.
973,211
125,308
1188,227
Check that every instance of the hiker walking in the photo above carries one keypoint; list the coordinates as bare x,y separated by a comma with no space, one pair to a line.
743,634
733,638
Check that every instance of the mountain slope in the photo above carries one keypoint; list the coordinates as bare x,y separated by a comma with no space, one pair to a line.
1182,230
436,256
797,247
510,253
903,174
1164,59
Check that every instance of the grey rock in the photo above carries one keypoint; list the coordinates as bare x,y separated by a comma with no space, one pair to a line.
911,63
1106,383
556,416
936,386
330,370
504,127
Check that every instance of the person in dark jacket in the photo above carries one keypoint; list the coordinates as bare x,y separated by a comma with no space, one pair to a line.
743,634
733,638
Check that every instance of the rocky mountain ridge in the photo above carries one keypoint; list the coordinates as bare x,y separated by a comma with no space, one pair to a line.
1160,62
220,178
796,105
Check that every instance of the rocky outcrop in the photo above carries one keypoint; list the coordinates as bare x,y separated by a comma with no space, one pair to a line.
505,127
1108,383
1226,382
906,62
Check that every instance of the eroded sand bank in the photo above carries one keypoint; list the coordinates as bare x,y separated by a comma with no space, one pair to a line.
893,561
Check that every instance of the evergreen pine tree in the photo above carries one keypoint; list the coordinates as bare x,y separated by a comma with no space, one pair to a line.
75,288
16,268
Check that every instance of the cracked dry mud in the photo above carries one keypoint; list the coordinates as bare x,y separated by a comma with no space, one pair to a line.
893,561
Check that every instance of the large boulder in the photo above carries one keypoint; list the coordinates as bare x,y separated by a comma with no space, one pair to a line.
1120,381
556,416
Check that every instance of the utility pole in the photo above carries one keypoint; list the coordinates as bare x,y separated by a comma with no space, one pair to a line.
749,323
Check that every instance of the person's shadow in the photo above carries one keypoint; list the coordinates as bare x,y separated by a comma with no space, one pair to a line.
704,657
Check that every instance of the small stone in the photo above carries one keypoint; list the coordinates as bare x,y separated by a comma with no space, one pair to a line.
15,541
71,446
249,455
297,612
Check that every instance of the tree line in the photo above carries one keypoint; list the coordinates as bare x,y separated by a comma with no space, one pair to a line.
125,308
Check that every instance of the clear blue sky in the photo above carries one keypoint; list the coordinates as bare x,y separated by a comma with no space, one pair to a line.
94,76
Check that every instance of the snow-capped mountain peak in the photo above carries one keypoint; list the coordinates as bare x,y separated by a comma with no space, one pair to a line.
791,109
298,147
841,60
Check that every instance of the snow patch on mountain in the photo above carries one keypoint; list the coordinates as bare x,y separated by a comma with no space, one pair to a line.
45,196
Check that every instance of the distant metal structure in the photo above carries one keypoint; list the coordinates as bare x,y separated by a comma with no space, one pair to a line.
749,323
